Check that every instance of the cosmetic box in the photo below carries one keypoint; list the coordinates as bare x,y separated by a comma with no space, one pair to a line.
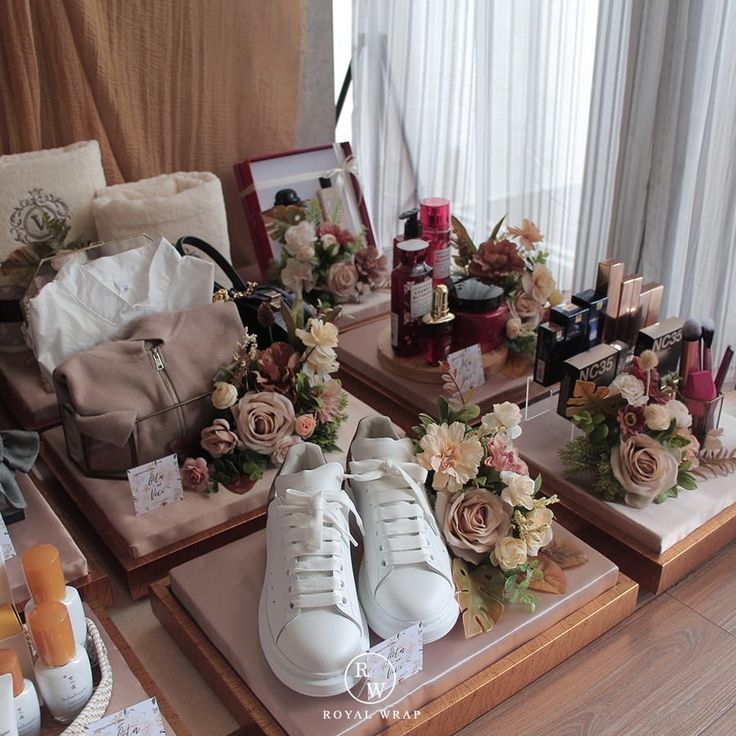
127,402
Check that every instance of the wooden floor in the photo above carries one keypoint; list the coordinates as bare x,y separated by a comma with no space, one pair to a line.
669,670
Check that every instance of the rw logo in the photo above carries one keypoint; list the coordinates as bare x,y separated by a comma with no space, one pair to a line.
370,678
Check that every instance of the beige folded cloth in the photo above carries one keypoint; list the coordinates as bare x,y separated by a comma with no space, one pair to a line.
60,182
168,206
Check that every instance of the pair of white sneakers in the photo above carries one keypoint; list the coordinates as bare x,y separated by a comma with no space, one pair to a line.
312,620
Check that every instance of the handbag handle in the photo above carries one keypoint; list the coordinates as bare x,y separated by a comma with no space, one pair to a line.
225,266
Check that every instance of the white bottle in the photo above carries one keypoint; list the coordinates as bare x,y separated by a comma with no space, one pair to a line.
25,699
63,671
45,578
7,708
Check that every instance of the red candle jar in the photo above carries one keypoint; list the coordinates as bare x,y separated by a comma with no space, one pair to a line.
481,315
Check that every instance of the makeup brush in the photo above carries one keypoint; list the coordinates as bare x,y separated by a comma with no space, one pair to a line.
723,368
692,331
709,330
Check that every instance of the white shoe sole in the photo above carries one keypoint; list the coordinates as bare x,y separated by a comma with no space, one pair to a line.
386,626
299,680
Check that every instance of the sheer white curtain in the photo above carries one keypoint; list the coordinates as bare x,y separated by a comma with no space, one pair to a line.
486,102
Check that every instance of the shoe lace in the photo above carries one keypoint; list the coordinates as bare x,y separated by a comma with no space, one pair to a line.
316,524
404,511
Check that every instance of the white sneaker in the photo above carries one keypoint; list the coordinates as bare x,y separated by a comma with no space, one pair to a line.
406,575
309,620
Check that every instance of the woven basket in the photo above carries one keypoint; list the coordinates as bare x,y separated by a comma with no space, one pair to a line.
97,704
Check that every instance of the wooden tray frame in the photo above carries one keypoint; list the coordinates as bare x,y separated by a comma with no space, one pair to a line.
139,572
446,714
51,728
654,571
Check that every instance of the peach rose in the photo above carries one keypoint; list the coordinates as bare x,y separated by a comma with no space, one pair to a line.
644,468
305,425
540,283
472,522
195,475
263,420
342,281
219,439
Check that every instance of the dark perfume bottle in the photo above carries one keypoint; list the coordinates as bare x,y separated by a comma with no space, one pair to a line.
411,297
438,326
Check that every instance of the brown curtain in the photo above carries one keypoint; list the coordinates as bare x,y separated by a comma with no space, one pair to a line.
163,85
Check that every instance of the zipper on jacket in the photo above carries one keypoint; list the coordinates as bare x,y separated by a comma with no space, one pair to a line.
158,361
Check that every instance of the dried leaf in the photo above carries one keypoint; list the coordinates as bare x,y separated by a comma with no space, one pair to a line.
280,218
554,580
584,394
19,267
565,553
716,465
480,594
464,241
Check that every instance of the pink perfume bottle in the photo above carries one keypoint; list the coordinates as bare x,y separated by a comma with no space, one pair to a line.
411,297
434,214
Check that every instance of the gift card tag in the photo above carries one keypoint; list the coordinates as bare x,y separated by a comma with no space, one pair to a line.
155,484
6,543
468,364
401,656
142,719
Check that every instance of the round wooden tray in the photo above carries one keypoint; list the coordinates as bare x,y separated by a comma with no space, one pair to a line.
417,369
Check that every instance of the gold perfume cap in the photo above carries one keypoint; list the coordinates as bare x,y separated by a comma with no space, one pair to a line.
440,306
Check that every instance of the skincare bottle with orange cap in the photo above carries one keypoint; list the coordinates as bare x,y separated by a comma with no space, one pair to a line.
63,671
45,578
27,709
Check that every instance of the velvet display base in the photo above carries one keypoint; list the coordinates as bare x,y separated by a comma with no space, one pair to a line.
175,522
657,527
41,526
22,392
221,590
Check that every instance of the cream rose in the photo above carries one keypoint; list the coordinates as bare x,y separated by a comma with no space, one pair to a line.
299,236
630,388
526,306
513,328
506,415
509,553
297,276
304,253
519,489
539,283
330,244
679,412
537,531
224,395
472,522
644,469
263,420
319,335
657,417
342,281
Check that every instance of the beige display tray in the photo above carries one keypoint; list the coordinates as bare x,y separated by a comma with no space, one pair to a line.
146,547
402,397
461,678
31,406
131,683
658,545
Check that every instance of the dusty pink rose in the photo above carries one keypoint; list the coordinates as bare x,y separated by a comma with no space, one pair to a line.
329,398
472,522
501,456
282,447
263,420
342,236
219,439
195,475
496,260
342,281
305,425
372,266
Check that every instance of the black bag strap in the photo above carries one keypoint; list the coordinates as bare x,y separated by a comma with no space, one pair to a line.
193,242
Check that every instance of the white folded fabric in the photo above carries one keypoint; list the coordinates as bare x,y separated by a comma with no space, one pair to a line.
167,206
60,182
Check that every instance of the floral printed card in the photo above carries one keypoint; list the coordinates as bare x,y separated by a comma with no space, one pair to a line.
142,719
155,484
467,365
402,655
6,543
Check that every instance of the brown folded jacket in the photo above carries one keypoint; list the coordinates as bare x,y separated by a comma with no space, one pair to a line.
127,402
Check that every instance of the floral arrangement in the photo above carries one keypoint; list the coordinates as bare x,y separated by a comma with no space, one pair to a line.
513,260
636,443
321,260
268,400
496,526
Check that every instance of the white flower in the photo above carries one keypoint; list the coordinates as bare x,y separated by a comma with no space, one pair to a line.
319,334
513,328
519,489
330,244
298,236
631,388
509,553
304,253
648,360
319,364
224,395
657,417
297,276
506,415
679,412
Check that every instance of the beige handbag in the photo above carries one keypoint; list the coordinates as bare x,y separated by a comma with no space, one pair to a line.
127,402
